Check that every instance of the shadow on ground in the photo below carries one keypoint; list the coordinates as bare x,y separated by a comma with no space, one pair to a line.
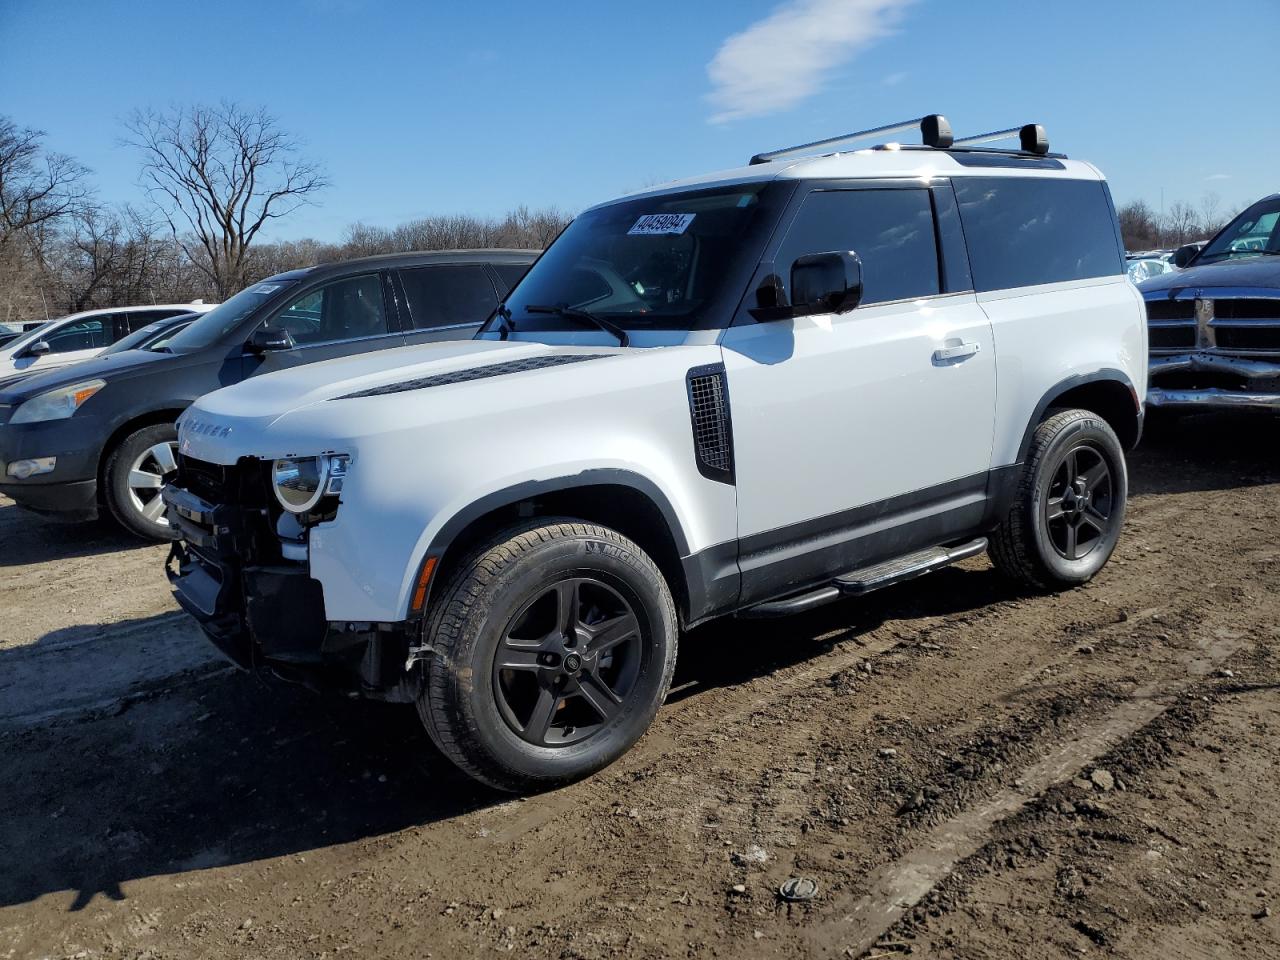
26,537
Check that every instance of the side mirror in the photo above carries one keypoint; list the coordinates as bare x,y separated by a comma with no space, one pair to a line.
266,341
826,283
820,283
1185,254
38,349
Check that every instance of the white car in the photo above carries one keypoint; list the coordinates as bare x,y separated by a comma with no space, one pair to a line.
83,335
746,394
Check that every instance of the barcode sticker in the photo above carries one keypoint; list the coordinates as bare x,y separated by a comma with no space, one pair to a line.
659,223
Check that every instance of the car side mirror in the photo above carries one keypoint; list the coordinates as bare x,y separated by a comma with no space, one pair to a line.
265,340
826,283
38,349
1185,254
820,283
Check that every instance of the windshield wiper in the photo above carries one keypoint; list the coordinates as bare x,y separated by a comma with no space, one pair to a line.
575,313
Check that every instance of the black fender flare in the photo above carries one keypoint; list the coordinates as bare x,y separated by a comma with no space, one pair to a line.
531,489
1071,383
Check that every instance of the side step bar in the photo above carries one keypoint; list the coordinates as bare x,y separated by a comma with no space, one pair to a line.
855,583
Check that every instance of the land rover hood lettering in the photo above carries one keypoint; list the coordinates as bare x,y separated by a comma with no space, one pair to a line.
474,373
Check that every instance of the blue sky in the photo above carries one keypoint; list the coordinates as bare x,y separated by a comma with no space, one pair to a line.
435,107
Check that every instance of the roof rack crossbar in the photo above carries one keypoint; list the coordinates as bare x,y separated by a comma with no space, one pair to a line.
934,132
1031,138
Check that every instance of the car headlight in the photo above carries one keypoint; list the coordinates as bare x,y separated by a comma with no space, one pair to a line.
301,482
56,404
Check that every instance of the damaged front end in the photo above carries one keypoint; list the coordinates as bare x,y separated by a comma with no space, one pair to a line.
241,569
1214,348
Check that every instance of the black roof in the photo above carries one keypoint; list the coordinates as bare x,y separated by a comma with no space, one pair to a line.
416,258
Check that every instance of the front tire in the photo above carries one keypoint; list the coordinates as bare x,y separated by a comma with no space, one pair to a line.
553,649
135,471
1069,508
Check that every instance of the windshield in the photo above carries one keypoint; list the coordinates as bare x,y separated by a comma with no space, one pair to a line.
663,262
1251,234
141,337
219,322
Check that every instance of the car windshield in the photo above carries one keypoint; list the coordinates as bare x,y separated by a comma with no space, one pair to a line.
1253,233
142,337
659,262
219,322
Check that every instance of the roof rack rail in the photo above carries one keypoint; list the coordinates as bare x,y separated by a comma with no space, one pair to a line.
935,131
1031,138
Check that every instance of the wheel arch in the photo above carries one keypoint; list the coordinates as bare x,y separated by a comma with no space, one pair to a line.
1109,393
627,502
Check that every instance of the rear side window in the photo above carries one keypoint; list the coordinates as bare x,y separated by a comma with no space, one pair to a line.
510,273
349,309
1023,231
447,295
890,230
92,334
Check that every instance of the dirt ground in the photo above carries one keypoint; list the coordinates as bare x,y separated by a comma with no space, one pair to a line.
966,771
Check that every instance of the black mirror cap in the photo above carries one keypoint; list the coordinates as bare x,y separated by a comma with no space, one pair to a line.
266,341
1183,256
826,283
38,349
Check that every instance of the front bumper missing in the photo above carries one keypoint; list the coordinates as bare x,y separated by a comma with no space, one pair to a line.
271,614
1252,383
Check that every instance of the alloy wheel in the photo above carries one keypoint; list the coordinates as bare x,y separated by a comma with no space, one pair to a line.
155,467
567,662
1078,509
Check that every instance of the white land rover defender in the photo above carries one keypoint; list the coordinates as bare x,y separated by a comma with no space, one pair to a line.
749,394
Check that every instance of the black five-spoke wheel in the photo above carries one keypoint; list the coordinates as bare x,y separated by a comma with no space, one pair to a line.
567,662
1078,508
552,649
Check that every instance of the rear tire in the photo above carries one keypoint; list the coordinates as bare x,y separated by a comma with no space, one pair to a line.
1069,508
553,648
135,471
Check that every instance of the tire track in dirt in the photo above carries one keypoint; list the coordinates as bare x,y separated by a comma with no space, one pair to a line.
901,884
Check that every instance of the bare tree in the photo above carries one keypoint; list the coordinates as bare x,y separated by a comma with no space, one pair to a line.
37,188
219,174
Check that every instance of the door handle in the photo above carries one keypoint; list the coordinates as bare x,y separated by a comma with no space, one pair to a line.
957,352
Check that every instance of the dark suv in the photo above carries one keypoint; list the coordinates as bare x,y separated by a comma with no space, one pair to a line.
102,432
1215,324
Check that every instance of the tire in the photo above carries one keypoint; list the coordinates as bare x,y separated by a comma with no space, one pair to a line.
1033,544
563,710
136,507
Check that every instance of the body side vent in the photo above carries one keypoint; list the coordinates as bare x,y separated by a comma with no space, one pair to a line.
708,389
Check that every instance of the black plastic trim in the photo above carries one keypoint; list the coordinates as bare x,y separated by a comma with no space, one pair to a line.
1070,383
475,373
786,560
709,470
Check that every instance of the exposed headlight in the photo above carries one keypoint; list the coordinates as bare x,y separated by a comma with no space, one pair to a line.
301,482
56,404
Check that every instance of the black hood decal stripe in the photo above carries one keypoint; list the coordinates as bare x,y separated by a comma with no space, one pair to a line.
475,373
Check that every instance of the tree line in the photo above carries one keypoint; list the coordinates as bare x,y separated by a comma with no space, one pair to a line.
214,178
1146,229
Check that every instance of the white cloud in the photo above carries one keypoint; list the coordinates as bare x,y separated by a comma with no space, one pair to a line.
784,58
893,79
1218,176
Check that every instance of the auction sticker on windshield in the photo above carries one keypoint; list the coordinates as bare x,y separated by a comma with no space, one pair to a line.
660,223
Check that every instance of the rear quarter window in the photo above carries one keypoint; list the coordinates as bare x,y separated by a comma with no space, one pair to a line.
1023,231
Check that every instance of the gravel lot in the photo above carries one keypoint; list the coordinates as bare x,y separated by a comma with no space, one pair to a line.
966,771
